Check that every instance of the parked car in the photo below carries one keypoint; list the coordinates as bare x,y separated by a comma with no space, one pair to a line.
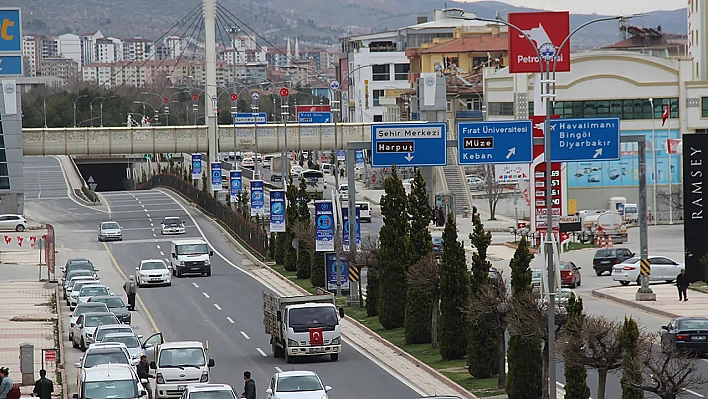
437,246
115,305
89,290
78,264
130,340
88,307
297,384
73,296
85,328
110,381
606,258
110,231
105,329
99,354
74,276
476,183
13,222
662,269
569,273
686,334
536,279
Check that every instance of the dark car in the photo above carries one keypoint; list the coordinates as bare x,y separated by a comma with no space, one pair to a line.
78,264
686,333
570,274
437,246
605,258
495,275
115,305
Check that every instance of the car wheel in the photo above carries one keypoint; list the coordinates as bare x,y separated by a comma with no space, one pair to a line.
288,358
578,285
179,274
73,343
20,228
334,357
71,337
169,284
624,282
138,284
572,285
100,239
208,274
599,272
83,345
276,351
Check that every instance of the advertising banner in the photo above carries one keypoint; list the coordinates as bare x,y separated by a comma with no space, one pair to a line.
345,227
196,166
695,179
331,269
49,247
235,184
546,30
511,173
359,157
216,176
277,211
324,226
257,198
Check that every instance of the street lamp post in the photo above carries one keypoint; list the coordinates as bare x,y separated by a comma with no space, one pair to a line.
44,106
102,100
77,99
655,175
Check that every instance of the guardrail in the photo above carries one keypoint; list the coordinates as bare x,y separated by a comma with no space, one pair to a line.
250,233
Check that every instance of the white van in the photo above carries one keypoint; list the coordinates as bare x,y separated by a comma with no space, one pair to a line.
631,213
327,168
190,257
364,211
178,364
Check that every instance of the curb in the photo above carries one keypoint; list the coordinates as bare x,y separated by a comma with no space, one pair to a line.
366,197
512,246
62,356
632,304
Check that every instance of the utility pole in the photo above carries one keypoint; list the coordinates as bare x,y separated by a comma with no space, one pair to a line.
210,118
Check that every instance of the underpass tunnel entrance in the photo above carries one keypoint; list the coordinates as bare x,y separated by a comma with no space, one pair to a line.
105,176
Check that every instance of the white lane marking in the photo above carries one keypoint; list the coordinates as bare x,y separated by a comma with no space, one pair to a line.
278,369
158,247
162,253
230,320
261,352
148,215
217,307
142,205
151,221
206,295
195,285
154,235
168,261
695,393
245,335
152,224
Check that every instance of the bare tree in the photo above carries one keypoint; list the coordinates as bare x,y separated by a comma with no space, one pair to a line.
494,304
304,231
669,373
675,199
493,190
424,276
366,256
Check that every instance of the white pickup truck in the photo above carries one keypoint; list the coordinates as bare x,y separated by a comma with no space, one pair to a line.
302,325
178,364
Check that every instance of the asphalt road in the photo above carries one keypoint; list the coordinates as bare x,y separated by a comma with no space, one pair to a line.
224,309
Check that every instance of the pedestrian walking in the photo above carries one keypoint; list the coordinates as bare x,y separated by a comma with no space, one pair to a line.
43,387
143,369
682,285
130,289
6,384
249,387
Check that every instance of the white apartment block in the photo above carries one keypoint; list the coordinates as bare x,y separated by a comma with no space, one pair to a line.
31,54
69,46
109,50
133,74
136,49
88,47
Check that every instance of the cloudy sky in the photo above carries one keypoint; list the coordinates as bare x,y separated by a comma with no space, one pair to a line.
604,7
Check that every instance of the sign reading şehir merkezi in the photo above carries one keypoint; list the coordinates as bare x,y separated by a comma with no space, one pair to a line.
409,144
497,142
587,139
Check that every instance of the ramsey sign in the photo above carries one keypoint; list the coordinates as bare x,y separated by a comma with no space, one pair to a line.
546,30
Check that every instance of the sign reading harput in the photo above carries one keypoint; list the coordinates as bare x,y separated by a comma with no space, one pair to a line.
695,184
546,30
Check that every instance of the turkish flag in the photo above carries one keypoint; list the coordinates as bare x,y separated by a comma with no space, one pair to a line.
665,115
316,337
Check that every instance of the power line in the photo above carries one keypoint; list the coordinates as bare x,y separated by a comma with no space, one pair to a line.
179,57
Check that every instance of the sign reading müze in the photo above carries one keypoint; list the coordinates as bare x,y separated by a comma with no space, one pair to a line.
196,166
277,211
235,184
324,226
257,198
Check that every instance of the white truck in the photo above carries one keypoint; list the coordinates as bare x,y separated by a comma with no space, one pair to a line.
302,325
178,364
190,256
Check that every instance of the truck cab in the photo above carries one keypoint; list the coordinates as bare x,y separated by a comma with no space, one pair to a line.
178,364
190,257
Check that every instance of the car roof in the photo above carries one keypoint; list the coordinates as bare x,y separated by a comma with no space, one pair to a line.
296,373
189,242
96,297
91,304
120,334
171,217
107,345
109,221
93,286
86,277
152,260
109,372
209,387
99,314
105,326
182,344
78,260
682,318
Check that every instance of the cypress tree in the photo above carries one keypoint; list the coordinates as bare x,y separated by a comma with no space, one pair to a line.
372,292
271,246
483,345
524,355
419,304
292,214
576,386
631,366
317,274
279,253
454,292
304,261
395,243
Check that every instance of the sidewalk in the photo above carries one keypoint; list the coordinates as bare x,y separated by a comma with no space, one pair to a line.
666,304
75,181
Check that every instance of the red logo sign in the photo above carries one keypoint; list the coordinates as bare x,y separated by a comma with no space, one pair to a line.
316,337
541,182
234,97
165,100
672,145
195,97
546,30
50,355
312,108
284,92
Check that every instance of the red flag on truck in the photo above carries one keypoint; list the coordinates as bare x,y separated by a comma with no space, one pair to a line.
316,337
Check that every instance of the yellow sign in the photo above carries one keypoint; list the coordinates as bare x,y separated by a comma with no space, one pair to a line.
572,206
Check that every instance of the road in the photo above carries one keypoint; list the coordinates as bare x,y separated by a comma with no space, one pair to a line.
224,309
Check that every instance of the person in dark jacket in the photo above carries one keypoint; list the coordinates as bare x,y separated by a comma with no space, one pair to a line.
682,285
43,387
249,387
143,369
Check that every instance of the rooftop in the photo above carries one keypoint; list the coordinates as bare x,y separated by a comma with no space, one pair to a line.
485,43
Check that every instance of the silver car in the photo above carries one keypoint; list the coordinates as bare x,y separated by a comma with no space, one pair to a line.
153,272
13,222
88,307
98,354
77,275
172,225
85,328
89,290
130,340
110,231
73,297
105,329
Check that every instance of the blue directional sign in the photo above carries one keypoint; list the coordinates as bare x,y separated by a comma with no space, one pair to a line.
247,118
588,139
196,166
10,31
481,143
314,117
409,144
10,65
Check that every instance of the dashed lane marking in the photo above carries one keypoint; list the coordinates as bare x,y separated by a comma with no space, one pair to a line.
217,307
230,320
206,295
195,285
261,352
245,335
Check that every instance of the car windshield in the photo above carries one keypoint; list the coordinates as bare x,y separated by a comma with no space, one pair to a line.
564,294
81,309
105,331
95,321
564,266
79,273
130,341
191,249
535,274
111,302
630,209
182,357
212,395
693,324
79,284
297,383
110,226
77,267
117,389
437,240
172,222
96,358
153,266
302,319
93,291
604,253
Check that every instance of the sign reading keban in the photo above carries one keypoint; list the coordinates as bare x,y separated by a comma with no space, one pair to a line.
257,198
511,173
610,221
341,155
21,241
331,269
196,166
216,182
277,211
345,228
359,158
324,226
235,184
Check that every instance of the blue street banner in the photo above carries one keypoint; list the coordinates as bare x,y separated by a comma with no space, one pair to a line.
324,226
216,182
345,227
341,155
331,270
277,211
196,166
257,198
235,184
359,157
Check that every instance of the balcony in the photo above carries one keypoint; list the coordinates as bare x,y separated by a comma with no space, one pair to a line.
469,115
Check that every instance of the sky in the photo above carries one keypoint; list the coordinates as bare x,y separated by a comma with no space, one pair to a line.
602,7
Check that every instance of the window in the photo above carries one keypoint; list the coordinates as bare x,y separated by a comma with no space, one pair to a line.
401,71
501,109
474,104
627,109
381,72
477,61
377,94
704,107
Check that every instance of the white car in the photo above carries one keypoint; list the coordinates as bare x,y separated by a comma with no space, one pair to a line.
88,276
110,381
296,384
73,297
248,163
85,328
211,391
172,225
98,354
130,340
662,269
110,231
295,170
89,290
106,329
13,222
344,192
88,307
153,272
